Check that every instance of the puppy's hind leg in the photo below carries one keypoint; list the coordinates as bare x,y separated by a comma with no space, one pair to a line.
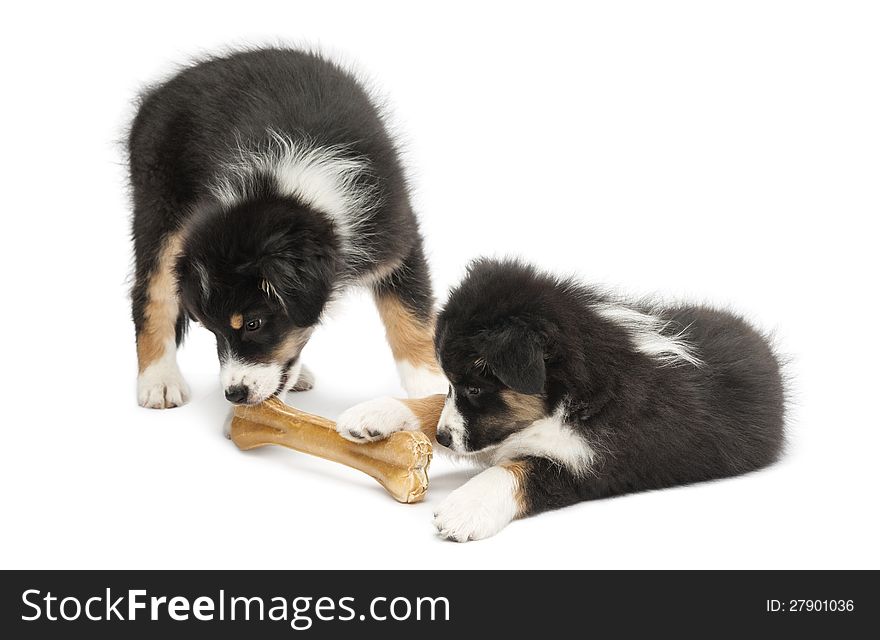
160,326
406,307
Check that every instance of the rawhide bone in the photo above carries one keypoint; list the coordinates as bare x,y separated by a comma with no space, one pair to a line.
399,463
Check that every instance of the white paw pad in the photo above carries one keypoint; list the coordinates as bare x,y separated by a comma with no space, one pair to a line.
375,420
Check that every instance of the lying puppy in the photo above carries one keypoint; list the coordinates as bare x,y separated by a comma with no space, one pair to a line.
570,395
263,183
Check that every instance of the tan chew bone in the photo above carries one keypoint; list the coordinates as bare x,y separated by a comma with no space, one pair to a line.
399,463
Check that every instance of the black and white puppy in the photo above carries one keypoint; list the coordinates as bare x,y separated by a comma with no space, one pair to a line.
263,183
570,395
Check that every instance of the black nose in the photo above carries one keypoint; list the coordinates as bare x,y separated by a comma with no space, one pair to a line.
444,438
237,394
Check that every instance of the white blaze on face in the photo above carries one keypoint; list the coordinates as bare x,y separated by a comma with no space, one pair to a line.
262,380
452,422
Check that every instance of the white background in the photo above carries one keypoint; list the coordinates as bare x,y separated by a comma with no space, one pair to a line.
726,152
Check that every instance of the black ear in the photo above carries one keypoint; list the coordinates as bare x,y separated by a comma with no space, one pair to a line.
516,357
298,271
193,283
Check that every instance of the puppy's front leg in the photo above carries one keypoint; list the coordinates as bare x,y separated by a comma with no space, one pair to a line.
529,485
405,306
485,504
160,324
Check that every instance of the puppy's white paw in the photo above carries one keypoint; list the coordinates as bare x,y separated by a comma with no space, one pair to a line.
480,508
162,388
227,425
305,381
375,420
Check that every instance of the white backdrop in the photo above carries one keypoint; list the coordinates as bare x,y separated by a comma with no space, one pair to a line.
725,153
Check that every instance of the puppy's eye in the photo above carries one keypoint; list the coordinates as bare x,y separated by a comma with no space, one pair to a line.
473,391
253,325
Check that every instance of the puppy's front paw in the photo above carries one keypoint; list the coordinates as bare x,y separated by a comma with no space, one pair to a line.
162,389
305,381
461,519
227,425
479,509
375,420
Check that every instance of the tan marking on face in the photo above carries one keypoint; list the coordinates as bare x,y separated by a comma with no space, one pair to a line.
291,345
410,339
523,408
160,314
236,321
519,469
428,411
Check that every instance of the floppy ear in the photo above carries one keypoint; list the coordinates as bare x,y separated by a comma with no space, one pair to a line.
516,357
298,272
192,280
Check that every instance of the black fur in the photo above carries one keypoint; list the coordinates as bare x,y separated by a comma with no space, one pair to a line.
652,424
268,238
187,134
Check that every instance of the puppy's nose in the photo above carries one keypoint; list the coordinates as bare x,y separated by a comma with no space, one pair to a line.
444,438
237,394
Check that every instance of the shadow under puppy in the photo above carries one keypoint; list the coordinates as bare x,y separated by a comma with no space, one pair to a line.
569,395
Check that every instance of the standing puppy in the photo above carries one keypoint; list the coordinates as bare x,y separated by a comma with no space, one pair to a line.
570,395
263,183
